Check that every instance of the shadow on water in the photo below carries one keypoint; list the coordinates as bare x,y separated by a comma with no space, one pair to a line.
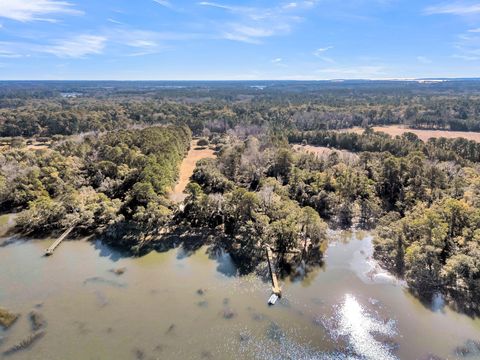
182,238
226,265
107,251
188,243
7,241
438,303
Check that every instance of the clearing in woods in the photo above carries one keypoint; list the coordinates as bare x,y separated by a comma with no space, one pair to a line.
323,152
424,135
187,167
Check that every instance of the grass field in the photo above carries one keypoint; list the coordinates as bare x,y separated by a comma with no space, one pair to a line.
424,135
322,151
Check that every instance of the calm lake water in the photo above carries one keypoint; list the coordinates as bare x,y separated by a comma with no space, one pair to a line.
346,310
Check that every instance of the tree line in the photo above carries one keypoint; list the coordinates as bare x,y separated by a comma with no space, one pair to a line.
442,149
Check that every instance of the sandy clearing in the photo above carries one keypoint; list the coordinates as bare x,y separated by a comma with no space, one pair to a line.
322,151
38,146
317,150
424,135
186,170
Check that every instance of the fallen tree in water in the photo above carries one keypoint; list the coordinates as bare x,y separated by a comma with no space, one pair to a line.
37,320
25,343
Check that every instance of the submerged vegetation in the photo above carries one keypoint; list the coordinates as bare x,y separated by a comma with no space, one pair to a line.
7,318
105,162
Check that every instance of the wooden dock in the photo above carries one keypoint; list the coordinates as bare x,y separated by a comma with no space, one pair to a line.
57,242
276,289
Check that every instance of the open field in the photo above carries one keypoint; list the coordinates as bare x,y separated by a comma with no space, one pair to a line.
322,151
186,169
424,135
317,150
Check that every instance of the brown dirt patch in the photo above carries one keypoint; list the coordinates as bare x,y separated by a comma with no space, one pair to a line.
186,170
317,150
322,151
38,146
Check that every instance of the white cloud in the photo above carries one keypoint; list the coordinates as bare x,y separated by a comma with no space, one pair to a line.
113,21
456,8
165,3
327,59
278,62
31,10
477,30
291,5
122,41
468,47
424,60
466,57
76,47
319,52
248,34
208,3
12,50
9,54
252,34
252,24
145,42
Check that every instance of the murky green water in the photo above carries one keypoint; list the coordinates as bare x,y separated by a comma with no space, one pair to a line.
346,310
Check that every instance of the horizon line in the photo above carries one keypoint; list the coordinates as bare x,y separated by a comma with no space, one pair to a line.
253,80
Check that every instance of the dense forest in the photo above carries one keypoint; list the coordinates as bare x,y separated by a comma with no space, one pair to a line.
427,207
49,108
107,183
103,157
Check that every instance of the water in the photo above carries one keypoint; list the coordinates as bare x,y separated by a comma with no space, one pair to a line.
175,305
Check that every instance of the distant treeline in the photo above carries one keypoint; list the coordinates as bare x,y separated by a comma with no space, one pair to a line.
46,109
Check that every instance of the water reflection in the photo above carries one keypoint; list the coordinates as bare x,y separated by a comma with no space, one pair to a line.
362,330
438,303
156,304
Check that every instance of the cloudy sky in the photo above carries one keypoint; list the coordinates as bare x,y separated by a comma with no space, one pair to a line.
231,39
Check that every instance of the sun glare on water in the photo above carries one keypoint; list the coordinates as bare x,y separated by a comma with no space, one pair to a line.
361,327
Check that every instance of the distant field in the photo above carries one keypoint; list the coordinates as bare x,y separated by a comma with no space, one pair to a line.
422,134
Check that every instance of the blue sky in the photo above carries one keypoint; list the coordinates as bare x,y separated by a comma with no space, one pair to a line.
238,40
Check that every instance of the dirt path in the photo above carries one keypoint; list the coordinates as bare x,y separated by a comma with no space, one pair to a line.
422,134
186,170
